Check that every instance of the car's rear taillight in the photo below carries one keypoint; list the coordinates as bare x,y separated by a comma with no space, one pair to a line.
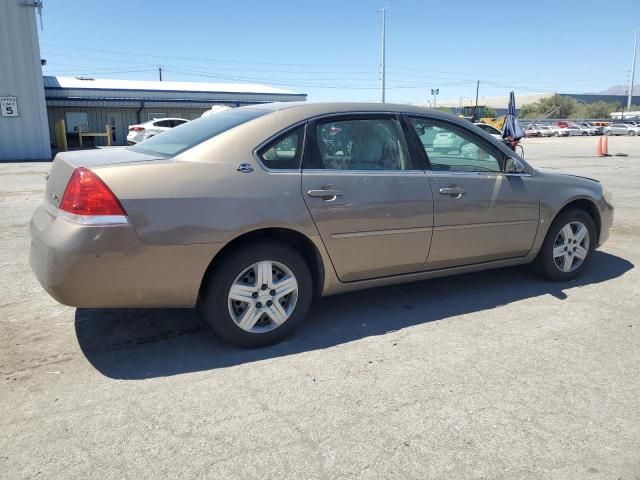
87,195
136,129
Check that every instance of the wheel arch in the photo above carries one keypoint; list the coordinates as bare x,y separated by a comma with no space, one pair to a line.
585,204
298,241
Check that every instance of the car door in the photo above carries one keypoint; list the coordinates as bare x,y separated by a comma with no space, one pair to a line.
370,200
480,213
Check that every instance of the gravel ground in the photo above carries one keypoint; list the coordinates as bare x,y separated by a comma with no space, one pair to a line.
488,375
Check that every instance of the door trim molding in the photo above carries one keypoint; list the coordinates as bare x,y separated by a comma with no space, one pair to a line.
370,233
482,225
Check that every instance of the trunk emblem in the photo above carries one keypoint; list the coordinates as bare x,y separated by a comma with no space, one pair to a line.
245,168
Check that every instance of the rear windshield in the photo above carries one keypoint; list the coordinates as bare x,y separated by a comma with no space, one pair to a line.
190,134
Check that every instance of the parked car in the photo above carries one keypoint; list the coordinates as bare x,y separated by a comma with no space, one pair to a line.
621,129
560,131
491,130
447,141
545,130
594,129
532,131
248,215
142,131
578,131
216,109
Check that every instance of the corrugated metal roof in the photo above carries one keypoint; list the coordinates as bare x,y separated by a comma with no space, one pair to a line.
147,85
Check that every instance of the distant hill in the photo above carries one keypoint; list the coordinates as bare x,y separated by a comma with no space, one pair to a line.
618,90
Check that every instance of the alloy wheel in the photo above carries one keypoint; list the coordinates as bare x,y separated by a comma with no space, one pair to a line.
571,246
263,296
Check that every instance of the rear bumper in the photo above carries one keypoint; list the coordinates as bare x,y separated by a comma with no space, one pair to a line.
109,267
135,138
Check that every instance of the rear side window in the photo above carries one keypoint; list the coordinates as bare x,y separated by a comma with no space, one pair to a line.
284,153
190,134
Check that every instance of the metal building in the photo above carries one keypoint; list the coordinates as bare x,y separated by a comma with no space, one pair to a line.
91,104
24,134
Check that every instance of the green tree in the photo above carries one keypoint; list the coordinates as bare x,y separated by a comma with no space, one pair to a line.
559,105
597,109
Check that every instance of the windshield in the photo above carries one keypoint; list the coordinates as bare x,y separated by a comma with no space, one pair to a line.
190,134
489,128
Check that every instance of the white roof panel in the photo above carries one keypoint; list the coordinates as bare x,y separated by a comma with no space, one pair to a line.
150,85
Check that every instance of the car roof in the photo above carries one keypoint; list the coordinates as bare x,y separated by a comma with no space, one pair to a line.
311,109
293,112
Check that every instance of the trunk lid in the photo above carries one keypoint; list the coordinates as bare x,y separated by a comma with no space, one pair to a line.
66,162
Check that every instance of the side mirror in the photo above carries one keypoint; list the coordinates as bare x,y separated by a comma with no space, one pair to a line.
514,166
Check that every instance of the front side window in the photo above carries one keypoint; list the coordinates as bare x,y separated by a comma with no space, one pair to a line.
284,152
451,148
361,144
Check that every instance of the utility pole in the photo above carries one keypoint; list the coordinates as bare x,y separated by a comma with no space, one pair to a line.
384,11
160,72
475,109
435,92
633,68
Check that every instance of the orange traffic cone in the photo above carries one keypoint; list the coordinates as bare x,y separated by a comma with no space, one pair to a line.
605,146
599,148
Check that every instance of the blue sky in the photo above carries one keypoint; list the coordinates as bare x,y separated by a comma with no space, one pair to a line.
331,49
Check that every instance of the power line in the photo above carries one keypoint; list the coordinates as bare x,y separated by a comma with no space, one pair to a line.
332,66
200,59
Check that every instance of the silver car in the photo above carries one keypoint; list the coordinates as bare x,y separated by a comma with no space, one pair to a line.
621,129
252,212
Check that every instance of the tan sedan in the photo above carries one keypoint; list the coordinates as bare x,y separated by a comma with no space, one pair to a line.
252,212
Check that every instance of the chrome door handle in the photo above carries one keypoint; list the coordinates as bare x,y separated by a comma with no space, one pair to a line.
456,192
325,193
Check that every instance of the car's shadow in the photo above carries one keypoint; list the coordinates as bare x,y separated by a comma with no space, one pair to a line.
145,343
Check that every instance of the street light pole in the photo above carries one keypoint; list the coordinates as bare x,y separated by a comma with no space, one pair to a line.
384,11
633,68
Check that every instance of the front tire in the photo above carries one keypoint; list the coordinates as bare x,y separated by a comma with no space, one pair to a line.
568,246
257,295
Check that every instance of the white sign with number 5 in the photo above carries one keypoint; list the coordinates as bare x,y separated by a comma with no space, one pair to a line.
9,106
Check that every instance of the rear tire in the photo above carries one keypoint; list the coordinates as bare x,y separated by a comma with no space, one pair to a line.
254,321
559,259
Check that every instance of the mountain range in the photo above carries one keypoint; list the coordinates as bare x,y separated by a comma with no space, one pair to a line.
619,90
